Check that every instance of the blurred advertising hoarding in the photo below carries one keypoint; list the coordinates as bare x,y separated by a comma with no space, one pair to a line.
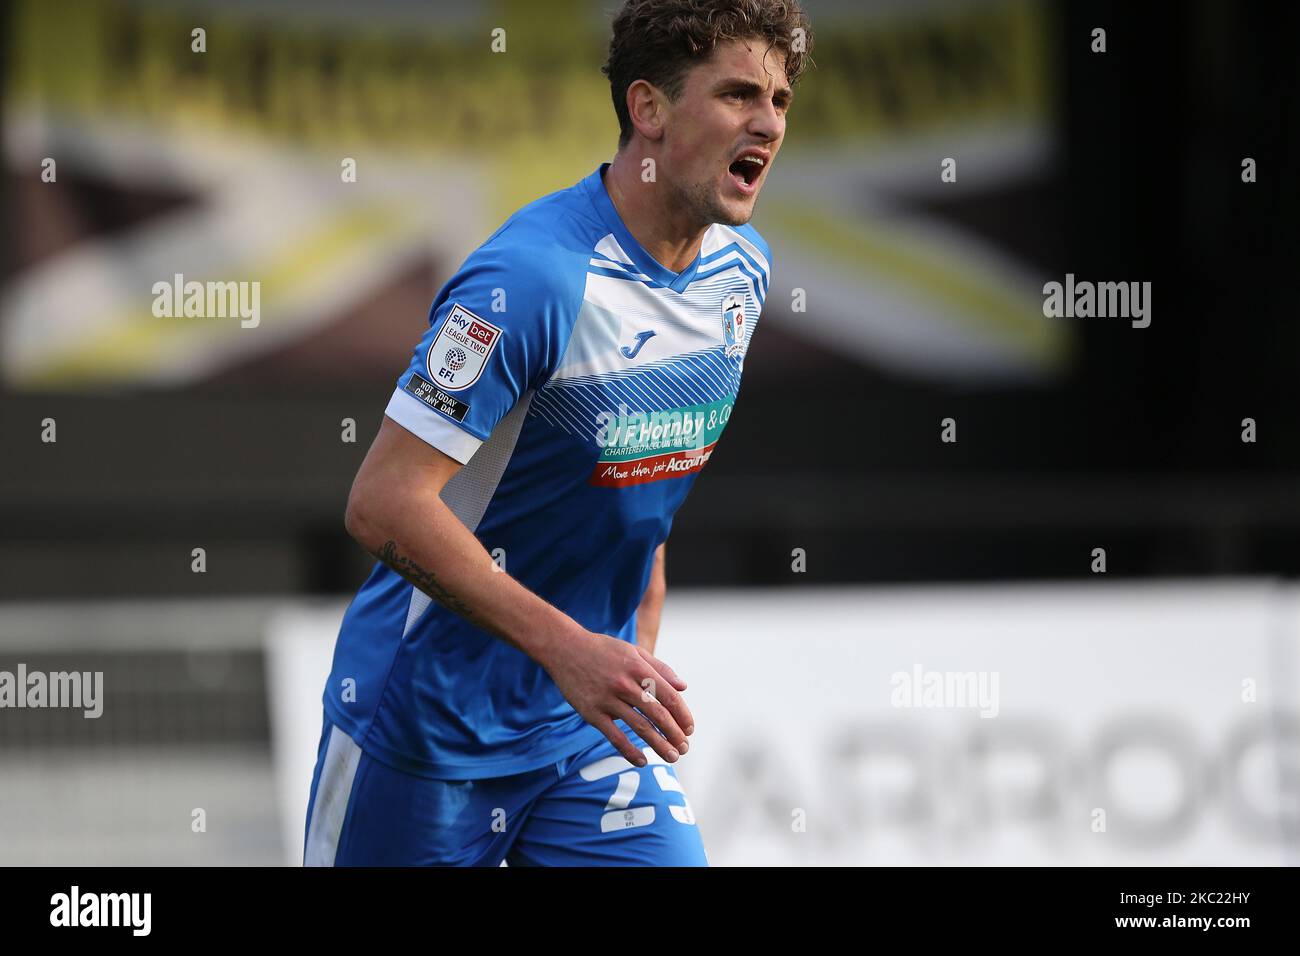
1106,725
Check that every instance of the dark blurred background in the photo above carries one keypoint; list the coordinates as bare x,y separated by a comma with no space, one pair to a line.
1115,166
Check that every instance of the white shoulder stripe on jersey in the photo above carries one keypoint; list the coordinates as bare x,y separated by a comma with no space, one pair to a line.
727,236
618,268
609,248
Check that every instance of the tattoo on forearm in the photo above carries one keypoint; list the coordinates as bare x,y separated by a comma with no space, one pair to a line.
425,580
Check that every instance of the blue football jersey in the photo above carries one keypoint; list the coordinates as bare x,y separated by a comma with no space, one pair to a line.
583,386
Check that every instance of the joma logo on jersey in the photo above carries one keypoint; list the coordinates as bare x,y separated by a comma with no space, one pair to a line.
461,349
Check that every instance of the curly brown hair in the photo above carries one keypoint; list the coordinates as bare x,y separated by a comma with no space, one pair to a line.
660,40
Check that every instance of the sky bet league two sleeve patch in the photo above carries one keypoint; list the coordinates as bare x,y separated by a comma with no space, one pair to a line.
455,361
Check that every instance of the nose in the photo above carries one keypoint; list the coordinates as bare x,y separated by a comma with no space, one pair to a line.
765,122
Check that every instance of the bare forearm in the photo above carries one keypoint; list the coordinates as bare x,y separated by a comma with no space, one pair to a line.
417,536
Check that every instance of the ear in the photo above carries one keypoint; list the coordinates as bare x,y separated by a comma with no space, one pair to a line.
647,108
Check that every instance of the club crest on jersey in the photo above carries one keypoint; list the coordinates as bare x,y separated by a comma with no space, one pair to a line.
461,349
733,324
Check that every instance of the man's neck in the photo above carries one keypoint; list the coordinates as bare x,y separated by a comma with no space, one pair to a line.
667,234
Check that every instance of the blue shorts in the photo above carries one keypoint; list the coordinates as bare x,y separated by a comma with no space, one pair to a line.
591,809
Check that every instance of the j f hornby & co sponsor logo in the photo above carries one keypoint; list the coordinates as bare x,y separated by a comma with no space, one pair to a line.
619,474
636,447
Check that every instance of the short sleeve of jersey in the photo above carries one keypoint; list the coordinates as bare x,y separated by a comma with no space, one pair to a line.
494,333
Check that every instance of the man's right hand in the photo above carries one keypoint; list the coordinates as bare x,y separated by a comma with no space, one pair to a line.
606,679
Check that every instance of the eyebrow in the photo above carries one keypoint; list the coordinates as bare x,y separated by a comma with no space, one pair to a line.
749,86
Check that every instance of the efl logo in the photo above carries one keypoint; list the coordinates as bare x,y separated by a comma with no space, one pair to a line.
461,349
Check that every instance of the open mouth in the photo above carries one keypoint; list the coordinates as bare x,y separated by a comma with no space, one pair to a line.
746,170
